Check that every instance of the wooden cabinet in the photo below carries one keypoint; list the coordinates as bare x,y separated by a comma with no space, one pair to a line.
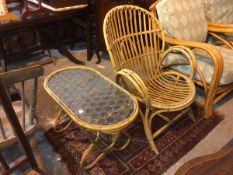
102,7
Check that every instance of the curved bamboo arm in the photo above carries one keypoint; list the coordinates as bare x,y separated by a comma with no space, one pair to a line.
136,82
152,6
219,29
211,24
188,55
217,60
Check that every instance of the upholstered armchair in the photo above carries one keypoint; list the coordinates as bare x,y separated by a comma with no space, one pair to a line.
219,15
185,24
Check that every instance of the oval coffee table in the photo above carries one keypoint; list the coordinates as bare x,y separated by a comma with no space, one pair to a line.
95,103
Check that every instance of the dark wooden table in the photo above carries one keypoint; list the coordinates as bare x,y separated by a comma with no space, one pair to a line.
35,23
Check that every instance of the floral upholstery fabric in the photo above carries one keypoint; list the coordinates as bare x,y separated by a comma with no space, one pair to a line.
183,19
219,11
205,65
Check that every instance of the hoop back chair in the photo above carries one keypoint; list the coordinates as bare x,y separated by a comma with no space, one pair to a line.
18,128
135,43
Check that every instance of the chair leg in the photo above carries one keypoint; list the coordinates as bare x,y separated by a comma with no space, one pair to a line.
148,131
190,114
147,122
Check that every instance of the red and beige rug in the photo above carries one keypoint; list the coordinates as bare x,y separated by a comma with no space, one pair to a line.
137,158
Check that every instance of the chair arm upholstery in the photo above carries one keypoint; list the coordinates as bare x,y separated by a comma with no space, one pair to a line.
188,55
137,84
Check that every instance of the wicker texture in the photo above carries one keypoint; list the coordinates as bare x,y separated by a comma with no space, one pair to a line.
213,91
132,37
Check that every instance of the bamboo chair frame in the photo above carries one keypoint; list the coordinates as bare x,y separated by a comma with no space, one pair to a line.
213,91
218,31
135,43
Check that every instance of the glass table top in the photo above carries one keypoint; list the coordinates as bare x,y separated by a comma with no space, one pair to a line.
91,97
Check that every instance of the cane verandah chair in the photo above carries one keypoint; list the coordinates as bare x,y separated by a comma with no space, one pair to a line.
185,24
135,43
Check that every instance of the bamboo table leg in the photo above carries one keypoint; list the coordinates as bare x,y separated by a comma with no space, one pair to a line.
59,119
103,151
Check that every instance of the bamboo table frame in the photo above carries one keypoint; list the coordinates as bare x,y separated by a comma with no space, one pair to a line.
105,119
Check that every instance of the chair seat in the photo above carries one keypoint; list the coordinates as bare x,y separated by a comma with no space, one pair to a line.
177,91
205,65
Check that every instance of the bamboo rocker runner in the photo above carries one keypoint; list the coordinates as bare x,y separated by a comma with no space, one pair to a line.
95,103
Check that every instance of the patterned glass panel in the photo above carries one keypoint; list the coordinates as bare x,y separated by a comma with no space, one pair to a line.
90,97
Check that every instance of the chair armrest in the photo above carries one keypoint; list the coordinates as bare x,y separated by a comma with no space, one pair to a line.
188,55
136,84
152,6
212,24
214,53
220,28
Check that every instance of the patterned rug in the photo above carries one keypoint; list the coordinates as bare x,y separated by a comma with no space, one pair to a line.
137,158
